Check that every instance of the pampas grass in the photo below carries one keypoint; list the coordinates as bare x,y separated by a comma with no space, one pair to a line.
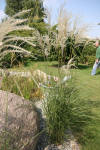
66,28
13,24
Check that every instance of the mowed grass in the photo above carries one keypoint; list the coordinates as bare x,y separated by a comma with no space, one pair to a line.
89,87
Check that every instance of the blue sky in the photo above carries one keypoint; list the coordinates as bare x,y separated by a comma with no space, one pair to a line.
2,6
87,10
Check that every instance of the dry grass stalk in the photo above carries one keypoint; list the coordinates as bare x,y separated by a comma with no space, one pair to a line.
78,31
64,23
44,42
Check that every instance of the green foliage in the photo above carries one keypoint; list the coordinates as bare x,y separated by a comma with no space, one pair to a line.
10,60
84,52
65,110
35,15
13,7
90,49
40,26
91,60
73,49
21,86
87,56
88,59
36,7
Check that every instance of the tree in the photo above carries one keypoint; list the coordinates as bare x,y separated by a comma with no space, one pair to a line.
36,6
15,6
35,16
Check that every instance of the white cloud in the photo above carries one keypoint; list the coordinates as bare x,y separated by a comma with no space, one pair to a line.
2,15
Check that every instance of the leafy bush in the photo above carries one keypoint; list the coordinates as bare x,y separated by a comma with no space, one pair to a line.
91,60
22,86
65,110
88,54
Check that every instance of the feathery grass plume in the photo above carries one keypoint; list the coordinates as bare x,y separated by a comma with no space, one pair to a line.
14,24
58,38
64,23
55,39
78,40
79,31
67,28
62,34
44,42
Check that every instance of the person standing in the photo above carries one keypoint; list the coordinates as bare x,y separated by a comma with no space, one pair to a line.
97,62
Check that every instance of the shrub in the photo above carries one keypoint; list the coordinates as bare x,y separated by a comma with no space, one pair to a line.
88,53
91,60
65,110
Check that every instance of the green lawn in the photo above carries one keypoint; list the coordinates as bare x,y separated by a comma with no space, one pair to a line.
89,88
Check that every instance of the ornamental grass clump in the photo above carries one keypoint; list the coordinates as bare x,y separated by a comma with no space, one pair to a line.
66,111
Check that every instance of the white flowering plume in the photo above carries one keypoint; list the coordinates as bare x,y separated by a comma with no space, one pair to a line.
13,24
